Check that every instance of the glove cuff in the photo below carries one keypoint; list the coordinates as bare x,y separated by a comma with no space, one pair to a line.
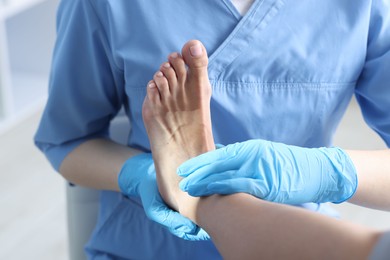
341,179
348,179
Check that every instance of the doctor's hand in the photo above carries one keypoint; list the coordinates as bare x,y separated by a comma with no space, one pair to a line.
272,171
138,178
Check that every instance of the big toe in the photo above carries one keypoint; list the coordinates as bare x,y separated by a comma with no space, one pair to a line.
195,56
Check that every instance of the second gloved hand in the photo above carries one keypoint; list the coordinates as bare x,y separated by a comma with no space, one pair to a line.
272,171
138,178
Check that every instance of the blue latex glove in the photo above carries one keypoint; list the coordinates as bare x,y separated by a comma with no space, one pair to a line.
138,178
272,171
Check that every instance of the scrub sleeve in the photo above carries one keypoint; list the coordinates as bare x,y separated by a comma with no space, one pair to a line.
373,87
86,89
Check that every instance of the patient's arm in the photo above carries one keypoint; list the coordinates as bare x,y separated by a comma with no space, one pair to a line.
244,227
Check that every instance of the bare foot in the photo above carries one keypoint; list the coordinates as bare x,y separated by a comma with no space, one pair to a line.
176,113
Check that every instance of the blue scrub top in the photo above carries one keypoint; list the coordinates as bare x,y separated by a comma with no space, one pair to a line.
284,72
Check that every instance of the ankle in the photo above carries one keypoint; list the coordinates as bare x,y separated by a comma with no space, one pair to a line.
187,205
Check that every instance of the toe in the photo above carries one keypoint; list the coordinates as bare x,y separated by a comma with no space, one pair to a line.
178,65
195,56
162,84
169,74
152,92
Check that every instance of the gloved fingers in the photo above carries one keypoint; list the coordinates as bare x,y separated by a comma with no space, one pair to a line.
173,220
198,190
257,188
226,186
156,210
205,176
213,159
219,146
200,235
179,225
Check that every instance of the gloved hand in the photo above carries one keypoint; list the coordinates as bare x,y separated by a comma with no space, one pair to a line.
138,178
272,171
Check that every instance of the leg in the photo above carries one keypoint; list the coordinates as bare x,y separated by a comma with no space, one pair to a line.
177,118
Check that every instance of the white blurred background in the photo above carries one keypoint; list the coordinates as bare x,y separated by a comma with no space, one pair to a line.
32,196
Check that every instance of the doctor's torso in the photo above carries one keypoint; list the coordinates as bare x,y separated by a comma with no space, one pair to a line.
284,72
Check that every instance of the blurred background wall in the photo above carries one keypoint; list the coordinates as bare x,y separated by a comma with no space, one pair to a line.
32,195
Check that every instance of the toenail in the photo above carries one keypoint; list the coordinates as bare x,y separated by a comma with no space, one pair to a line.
167,65
152,85
159,74
196,50
174,55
